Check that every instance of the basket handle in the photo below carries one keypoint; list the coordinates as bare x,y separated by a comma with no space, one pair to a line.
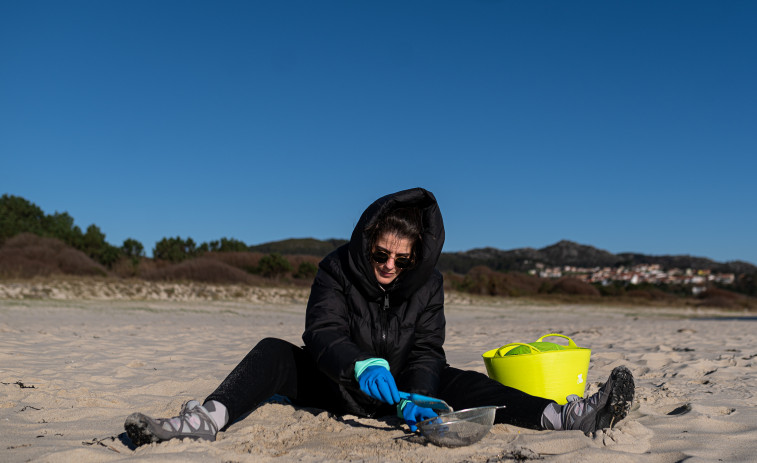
570,341
511,345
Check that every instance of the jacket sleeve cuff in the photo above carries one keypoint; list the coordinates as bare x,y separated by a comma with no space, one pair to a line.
361,365
401,407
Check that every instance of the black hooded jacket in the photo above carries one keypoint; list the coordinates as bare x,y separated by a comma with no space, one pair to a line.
351,317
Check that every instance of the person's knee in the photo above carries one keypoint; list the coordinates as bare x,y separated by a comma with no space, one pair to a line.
266,341
275,348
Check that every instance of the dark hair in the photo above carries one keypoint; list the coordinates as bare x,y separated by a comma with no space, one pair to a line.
405,222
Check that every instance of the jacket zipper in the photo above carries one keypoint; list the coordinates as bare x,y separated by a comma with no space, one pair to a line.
384,322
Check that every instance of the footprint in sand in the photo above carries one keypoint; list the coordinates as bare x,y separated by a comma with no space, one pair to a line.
711,411
682,410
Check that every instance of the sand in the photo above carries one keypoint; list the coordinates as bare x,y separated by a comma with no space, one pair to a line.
74,364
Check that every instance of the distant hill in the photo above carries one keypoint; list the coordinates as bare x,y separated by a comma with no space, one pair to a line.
303,246
578,255
524,259
666,262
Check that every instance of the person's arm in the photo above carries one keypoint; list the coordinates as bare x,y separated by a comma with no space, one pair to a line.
327,331
426,360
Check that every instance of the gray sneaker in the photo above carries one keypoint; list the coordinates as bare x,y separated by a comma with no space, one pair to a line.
603,409
193,422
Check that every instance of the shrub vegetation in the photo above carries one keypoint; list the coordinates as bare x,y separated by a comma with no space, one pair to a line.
27,255
223,245
33,244
17,215
201,269
175,249
274,266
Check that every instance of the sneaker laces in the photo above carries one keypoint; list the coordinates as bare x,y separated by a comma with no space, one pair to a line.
578,411
192,418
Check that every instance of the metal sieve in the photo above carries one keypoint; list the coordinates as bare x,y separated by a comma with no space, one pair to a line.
459,428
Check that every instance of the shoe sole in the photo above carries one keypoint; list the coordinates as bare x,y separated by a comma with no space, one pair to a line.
138,429
142,431
621,398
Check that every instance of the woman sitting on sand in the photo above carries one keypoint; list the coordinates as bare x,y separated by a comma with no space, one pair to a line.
375,325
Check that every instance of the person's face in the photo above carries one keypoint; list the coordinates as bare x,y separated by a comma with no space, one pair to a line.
395,247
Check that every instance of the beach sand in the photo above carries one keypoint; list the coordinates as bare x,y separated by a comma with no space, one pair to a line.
74,363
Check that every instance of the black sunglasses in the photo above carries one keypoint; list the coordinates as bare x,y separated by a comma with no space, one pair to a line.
380,257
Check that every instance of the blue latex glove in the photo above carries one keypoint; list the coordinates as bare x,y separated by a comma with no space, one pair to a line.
378,382
413,414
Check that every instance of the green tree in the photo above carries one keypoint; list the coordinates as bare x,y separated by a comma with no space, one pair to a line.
108,255
273,266
207,247
133,250
93,241
175,249
61,225
95,246
17,215
224,245
306,270
232,245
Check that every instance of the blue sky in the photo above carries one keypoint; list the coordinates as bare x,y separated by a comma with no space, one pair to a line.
629,126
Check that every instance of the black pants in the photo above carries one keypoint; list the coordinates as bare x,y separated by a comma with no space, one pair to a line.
274,367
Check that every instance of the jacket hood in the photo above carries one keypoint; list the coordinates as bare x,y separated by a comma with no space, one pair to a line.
431,246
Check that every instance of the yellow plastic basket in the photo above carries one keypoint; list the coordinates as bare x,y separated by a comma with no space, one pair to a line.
553,374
